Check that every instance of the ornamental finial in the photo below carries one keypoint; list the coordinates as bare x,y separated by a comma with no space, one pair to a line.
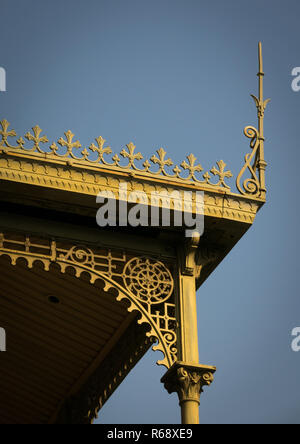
255,185
260,102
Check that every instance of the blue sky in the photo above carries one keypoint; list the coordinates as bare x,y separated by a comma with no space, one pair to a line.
178,74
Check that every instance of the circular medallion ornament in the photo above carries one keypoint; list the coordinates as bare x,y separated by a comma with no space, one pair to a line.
148,280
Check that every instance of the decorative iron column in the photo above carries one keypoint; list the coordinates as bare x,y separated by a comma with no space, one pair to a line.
187,377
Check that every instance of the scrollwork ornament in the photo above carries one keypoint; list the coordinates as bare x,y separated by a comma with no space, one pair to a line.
170,339
80,255
251,185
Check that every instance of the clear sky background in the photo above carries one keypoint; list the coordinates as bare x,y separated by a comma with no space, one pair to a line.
178,74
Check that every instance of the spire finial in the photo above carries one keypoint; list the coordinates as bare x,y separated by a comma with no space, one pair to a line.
260,102
256,186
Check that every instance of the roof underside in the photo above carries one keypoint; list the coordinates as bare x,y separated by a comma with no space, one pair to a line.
51,346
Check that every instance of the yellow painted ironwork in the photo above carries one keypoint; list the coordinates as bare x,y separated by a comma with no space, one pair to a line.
145,283
255,186
165,298
86,156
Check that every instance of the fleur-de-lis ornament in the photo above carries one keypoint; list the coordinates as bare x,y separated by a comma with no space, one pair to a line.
161,161
100,149
260,105
5,133
68,143
36,139
191,166
131,155
221,173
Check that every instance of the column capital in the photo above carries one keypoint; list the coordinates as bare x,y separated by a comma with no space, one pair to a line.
188,380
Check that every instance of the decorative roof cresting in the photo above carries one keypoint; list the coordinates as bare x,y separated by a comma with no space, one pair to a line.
99,157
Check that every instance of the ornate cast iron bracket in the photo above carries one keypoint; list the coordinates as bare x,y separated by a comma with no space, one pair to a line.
189,255
195,255
146,283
